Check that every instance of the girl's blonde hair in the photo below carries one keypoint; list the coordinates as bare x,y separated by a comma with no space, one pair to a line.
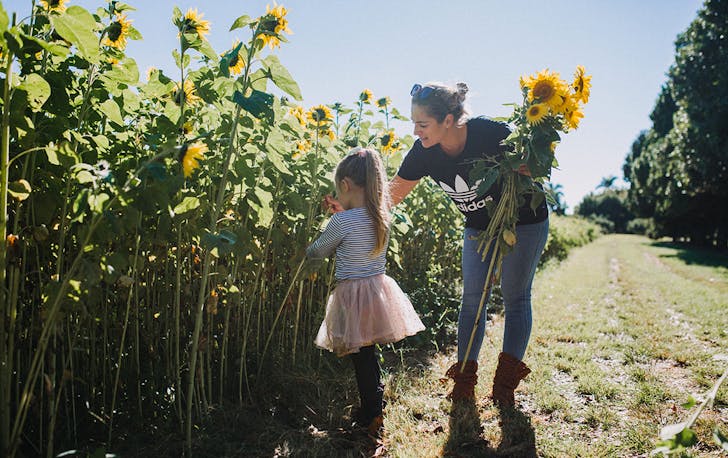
365,168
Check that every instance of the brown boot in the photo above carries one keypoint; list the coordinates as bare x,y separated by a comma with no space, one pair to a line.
465,381
508,374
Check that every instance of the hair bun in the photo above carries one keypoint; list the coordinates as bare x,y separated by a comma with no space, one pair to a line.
462,88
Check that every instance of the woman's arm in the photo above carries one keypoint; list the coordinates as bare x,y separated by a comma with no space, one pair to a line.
399,188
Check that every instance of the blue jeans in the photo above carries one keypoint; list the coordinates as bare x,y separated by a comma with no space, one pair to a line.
519,267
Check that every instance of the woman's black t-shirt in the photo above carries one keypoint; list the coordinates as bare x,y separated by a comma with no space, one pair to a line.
452,174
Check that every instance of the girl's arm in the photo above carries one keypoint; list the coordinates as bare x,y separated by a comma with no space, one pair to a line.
399,188
329,239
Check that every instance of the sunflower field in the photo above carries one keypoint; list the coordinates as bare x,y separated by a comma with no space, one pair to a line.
155,225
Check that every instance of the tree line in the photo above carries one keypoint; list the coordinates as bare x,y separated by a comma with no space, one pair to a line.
677,169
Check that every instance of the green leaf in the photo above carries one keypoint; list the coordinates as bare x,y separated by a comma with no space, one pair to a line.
223,241
265,210
281,78
77,26
188,204
96,202
241,22
276,149
4,22
19,190
259,104
490,177
38,90
536,199
62,154
207,50
53,48
126,72
112,111
689,403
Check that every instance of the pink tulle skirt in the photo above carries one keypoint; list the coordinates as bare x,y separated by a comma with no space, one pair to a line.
365,311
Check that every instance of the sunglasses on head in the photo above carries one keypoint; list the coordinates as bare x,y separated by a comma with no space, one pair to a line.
420,91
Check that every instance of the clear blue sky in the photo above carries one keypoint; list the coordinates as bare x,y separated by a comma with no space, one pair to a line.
340,47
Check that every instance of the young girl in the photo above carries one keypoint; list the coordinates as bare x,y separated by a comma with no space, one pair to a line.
367,307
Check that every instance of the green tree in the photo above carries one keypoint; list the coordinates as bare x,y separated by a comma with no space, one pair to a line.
610,204
678,168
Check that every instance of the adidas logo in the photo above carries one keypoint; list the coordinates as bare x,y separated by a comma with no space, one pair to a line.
464,195
462,192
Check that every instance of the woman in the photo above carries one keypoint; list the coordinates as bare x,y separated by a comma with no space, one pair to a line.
448,142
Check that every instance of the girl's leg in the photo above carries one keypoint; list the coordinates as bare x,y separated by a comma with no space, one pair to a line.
474,271
369,381
519,268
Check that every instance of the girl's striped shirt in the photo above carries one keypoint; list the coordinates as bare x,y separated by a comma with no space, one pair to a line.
351,233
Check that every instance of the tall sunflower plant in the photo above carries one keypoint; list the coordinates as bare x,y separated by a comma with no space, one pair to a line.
550,106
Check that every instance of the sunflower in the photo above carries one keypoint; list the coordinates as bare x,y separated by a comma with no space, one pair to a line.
189,94
572,116
319,115
302,147
117,32
384,102
536,113
54,5
563,102
366,96
192,21
237,63
272,25
389,143
328,133
544,87
299,114
189,155
581,84
186,128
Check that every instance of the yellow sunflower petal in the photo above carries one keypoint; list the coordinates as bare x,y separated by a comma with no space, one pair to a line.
536,113
190,155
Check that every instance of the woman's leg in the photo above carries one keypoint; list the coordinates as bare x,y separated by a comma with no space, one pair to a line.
369,381
519,268
474,271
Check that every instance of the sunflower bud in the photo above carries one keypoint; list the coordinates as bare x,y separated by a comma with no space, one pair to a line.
509,237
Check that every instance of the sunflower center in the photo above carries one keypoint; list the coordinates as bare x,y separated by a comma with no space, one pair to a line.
234,61
534,110
115,30
543,90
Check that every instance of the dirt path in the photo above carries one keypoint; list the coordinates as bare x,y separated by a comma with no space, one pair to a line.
625,331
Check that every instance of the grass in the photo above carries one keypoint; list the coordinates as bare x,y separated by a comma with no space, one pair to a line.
625,330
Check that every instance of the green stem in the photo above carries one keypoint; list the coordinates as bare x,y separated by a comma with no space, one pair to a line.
486,291
278,315
4,172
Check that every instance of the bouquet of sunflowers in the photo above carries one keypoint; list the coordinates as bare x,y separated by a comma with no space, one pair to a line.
550,105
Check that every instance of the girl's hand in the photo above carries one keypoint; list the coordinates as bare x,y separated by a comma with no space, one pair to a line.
331,204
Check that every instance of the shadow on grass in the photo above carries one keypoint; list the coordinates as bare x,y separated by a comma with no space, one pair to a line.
693,255
518,438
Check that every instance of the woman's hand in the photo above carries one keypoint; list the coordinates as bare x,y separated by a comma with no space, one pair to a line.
523,170
331,204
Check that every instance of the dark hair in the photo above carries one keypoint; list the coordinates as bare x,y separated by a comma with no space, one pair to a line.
441,100
365,168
